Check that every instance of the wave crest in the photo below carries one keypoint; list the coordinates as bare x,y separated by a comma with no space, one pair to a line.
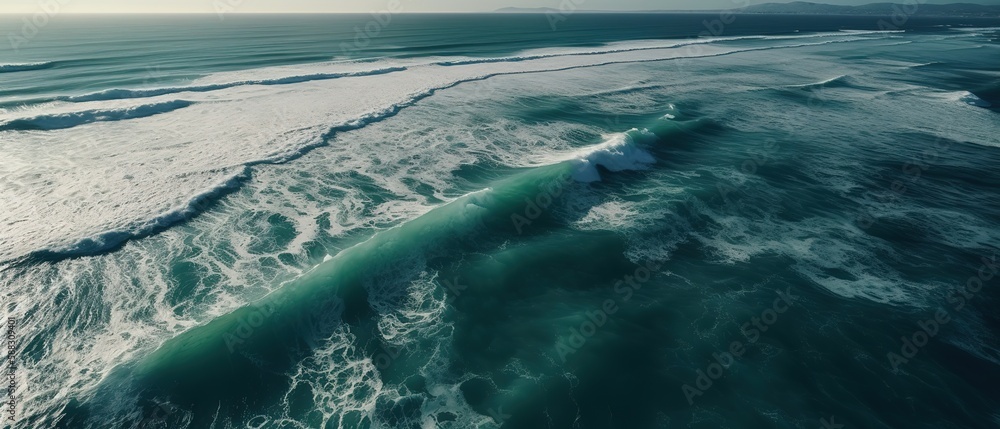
973,100
619,153
69,120
10,68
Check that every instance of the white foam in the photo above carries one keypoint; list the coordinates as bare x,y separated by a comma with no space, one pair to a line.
844,262
618,153
975,29
79,351
821,82
110,180
612,215
344,382
972,99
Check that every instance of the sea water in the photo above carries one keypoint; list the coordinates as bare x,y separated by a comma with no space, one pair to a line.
461,221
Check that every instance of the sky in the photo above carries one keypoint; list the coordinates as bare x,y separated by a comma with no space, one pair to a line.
365,6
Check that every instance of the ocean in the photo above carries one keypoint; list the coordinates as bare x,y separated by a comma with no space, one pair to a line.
500,221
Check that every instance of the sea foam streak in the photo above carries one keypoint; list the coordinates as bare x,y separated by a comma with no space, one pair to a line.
116,94
177,157
290,75
631,46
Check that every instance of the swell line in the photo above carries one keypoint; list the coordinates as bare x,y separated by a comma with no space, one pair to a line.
118,94
11,68
115,94
651,48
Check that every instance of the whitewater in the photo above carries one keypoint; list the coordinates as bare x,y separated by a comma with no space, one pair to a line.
178,150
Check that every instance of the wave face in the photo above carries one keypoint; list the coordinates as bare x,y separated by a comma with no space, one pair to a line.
58,121
973,100
563,230
10,68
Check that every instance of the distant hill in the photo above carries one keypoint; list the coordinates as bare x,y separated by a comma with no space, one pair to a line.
526,10
808,8
801,7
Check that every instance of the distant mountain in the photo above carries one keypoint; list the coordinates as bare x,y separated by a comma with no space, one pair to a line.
526,10
801,7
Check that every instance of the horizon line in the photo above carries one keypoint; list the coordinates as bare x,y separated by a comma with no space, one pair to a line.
510,10
595,12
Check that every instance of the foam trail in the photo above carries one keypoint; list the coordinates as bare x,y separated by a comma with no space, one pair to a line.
117,94
841,80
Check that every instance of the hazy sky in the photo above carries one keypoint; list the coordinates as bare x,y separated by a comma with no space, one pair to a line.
210,6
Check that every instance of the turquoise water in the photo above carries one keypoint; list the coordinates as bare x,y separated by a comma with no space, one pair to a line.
482,221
